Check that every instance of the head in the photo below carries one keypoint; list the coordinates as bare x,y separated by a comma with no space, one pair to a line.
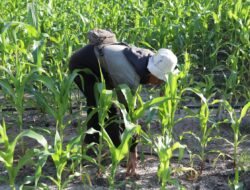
162,63
154,80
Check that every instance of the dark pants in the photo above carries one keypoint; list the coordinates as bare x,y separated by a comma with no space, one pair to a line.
85,59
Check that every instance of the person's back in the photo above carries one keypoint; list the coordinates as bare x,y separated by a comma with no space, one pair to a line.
118,67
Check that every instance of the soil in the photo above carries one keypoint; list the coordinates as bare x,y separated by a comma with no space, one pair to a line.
213,177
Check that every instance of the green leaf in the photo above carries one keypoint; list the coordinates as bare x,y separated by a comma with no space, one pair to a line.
4,137
216,18
57,183
141,110
42,102
6,86
58,143
89,159
197,92
29,28
3,158
49,83
193,134
128,96
26,158
31,134
244,111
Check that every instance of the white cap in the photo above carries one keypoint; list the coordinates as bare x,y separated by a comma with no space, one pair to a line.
162,63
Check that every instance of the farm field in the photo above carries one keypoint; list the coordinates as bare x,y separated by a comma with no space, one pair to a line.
193,131
213,177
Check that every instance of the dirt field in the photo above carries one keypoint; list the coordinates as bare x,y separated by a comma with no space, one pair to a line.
212,178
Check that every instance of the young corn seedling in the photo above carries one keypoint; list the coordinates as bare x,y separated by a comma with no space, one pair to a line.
164,147
205,136
166,113
7,154
137,108
118,153
235,122
163,144
134,104
168,108
104,102
61,157
60,91
129,118
15,85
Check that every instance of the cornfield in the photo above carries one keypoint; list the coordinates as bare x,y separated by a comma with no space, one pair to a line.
43,114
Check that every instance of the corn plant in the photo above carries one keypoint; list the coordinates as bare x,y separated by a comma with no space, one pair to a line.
7,153
164,147
167,109
61,157
137,108
103,99
15,86
205,136
166,112
134,104
72,152
163,144
237,138
118,153
59,92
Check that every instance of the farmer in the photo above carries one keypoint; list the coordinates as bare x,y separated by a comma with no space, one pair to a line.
120,64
